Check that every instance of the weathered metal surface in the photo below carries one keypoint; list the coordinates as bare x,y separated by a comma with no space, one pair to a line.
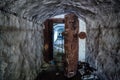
71,44
48,46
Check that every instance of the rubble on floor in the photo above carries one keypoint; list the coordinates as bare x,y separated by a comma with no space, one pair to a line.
87,72
54,71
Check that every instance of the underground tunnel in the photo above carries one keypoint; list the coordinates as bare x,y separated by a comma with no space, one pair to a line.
22,40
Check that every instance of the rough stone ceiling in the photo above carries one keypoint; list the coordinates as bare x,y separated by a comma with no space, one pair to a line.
37,10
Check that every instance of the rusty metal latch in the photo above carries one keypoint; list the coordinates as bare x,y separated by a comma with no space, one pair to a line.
82,35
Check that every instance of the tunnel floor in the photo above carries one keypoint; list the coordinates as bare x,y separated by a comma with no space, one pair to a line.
54,75
56,72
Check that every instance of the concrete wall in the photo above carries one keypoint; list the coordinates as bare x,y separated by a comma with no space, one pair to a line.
102,43
103,47
21,44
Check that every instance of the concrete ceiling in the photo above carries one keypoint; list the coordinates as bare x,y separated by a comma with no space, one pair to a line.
39,10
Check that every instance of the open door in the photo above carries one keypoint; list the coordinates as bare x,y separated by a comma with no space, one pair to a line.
71,44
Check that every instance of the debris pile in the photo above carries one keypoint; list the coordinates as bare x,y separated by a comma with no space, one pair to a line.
87,72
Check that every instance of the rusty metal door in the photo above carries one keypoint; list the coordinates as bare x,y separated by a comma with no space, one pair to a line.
48,40
71,44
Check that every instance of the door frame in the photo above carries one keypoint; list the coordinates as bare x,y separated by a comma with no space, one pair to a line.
71,44
48,37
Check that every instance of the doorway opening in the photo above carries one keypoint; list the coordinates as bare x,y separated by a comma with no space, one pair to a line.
59,24
58,41
61,42
82,41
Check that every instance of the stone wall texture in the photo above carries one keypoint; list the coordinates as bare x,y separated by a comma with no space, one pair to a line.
20,48
103,49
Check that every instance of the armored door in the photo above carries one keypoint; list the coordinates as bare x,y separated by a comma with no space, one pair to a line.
71,44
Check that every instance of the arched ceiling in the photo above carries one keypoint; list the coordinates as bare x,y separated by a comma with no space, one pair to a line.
39,10
59,27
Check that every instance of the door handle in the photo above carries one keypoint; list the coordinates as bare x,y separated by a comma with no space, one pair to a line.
82,35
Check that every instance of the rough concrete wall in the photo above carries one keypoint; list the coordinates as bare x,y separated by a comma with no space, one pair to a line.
20,48
103,26
109,53
103,46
